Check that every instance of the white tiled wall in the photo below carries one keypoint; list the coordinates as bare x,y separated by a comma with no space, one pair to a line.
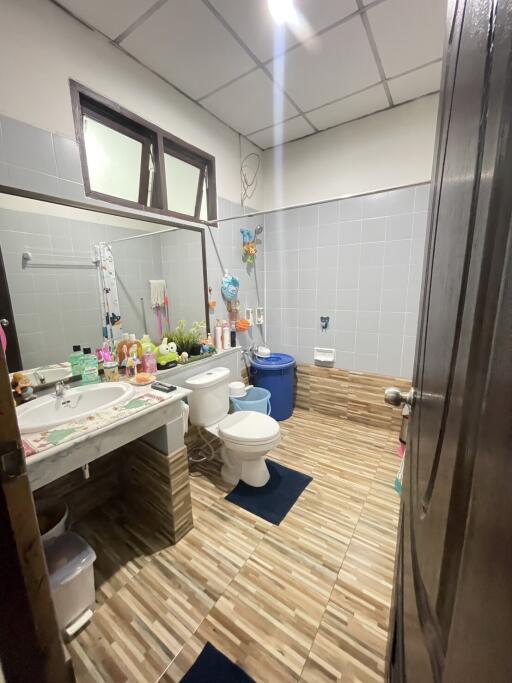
358,261
182,269
224,251
54,308
137,261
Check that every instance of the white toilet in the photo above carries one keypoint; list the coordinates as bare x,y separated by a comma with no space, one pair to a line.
247,436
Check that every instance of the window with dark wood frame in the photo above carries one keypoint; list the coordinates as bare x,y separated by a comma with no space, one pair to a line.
167,174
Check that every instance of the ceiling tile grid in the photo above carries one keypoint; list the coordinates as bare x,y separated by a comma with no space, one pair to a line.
350,58
111,18
408,33
292,129
186,44
321,70
252,21
349,108
416,83
250,103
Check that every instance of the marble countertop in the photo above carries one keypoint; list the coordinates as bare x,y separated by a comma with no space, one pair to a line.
53,453
143,401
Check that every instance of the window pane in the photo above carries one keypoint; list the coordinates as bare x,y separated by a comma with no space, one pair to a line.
182,180
113,161
204,206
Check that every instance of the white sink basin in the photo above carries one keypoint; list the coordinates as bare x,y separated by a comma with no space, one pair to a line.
48,411
50,375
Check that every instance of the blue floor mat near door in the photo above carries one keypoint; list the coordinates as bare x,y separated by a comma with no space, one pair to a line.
274,500
213,667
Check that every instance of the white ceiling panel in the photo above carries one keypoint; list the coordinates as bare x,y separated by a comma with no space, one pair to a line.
187,45
248,103
416,83
349,108
252,21
112,17
337,63
292,129
408,33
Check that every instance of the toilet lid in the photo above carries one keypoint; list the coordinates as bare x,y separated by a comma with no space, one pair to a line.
247,426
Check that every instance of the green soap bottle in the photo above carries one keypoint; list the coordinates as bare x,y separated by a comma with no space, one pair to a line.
75,360
90,374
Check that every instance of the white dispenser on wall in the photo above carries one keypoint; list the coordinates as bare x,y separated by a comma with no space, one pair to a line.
249,316
324,357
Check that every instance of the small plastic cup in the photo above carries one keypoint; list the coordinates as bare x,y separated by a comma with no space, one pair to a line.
111,371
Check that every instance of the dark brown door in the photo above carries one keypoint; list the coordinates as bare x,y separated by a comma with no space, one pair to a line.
453,592
7,322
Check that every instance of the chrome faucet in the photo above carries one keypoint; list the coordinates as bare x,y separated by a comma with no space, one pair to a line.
60,389
40,377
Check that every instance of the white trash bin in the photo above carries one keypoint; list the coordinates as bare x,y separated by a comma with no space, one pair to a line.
70,565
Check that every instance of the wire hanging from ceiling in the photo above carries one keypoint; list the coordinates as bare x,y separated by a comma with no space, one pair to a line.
249,169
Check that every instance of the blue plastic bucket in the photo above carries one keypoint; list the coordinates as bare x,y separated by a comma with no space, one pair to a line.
256,399
276,374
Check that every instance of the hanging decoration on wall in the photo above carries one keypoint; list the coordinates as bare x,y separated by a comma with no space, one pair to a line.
229,288
112,323
248,245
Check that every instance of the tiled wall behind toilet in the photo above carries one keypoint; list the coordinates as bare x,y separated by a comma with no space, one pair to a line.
358,261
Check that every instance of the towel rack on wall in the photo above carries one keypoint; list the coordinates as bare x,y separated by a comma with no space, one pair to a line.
28,262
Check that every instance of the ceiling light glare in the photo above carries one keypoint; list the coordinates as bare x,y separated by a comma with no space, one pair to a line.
282,11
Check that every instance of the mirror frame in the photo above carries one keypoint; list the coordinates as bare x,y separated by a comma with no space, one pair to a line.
145,216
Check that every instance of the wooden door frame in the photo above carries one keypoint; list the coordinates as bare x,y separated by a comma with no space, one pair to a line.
30,645
6,310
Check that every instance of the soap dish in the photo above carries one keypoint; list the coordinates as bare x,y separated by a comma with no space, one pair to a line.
324,357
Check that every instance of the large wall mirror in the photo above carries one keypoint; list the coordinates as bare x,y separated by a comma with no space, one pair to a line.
52,286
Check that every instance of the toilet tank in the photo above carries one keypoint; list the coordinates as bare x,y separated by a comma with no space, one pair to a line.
209,400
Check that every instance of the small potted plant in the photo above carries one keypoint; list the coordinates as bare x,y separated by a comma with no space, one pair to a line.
188,341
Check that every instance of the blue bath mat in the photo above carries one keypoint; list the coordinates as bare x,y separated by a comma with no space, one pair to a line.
274,500
213,667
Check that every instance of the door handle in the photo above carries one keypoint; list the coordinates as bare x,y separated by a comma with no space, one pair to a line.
394,397
4,322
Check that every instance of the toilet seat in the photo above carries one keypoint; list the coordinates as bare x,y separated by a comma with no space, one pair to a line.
249,428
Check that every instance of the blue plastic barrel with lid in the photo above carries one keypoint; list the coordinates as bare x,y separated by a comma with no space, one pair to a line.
277,374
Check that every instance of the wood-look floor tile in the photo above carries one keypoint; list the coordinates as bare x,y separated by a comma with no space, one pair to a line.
344,650
277,600
123,547
308,599
236,644
207,486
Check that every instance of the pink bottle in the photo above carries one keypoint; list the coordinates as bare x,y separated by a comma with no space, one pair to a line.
149,362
